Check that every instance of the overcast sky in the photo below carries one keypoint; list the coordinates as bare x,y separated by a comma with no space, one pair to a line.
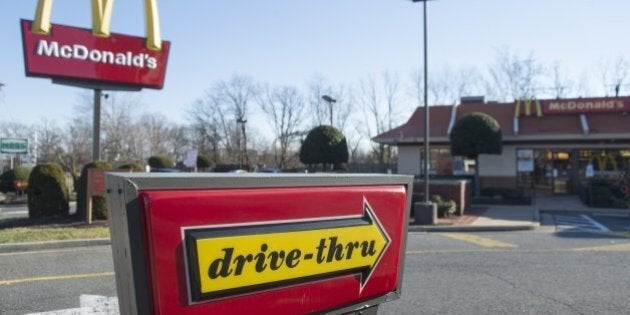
289,41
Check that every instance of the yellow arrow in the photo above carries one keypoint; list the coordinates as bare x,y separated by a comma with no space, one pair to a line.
245,259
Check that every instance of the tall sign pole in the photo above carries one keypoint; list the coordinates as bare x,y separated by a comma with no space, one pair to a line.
96,126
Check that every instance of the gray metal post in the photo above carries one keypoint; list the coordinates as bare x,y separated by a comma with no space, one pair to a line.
426,111
96,126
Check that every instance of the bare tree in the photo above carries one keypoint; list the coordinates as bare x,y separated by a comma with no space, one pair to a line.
77,141
177,141
562,85
447,87
117,128
320,111
379,105
219,120
284,110
615,74
155,136
49,143
514,77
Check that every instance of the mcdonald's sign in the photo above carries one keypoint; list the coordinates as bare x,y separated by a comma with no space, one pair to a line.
527,104
96,56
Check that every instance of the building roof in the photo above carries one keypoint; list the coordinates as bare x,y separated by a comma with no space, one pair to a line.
575,120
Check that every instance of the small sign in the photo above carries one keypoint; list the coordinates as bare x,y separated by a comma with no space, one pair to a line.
525,160
14,146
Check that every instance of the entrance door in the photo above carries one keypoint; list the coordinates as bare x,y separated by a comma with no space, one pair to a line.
562,171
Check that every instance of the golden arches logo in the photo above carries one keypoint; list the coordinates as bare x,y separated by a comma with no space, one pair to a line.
528,107
603,160
101,18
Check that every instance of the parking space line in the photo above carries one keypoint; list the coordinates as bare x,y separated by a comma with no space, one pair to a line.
60,277
595,223
625,247
477,240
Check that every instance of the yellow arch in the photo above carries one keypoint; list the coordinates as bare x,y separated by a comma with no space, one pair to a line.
528,107
101,18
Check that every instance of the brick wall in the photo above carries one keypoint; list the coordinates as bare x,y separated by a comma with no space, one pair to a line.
498,181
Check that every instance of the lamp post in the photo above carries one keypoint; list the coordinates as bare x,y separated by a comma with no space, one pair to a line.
242,121
330,102
96,124
425,162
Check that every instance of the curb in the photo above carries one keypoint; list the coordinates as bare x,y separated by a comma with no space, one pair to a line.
604,212
34,246
473,228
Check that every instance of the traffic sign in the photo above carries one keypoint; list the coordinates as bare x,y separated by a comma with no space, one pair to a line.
14,145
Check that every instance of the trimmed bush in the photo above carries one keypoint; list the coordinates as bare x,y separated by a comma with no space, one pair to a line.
7,178
324,144
134,167
160,161
204,162
99,208
47,191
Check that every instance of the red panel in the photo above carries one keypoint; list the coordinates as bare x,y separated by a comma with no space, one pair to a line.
74,53
166,212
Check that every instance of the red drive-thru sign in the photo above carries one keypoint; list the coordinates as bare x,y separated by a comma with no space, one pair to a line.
242,244
72,53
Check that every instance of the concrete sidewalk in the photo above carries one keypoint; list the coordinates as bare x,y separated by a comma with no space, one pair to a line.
515,218
488,218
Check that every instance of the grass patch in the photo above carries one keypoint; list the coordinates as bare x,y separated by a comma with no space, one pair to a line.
20,230
38,234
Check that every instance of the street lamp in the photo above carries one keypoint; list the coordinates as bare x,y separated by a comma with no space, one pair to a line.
241,120
330,101
96,124
425,164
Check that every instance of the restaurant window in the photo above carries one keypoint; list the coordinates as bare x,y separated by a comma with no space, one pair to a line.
442,163
607,164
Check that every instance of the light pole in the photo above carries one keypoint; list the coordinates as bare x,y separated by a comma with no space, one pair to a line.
242,121
330,102
425,162
96,124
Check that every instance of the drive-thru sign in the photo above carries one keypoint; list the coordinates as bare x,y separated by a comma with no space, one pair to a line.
291,244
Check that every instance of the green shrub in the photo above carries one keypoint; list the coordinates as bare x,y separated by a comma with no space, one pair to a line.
160,161
134,167
324,144
204,162
7,178
47,192
445,207
340,168
99,208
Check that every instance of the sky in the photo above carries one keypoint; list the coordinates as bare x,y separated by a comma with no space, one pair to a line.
287,42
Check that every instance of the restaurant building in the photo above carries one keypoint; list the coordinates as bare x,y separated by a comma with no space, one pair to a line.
554,145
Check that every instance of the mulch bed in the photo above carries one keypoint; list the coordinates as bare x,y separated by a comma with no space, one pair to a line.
466,219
